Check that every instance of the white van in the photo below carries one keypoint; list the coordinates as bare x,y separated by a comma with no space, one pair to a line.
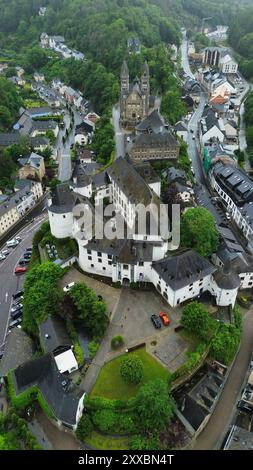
68,286
12,243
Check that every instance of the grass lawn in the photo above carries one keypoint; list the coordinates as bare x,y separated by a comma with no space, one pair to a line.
111,385
31,103
101,442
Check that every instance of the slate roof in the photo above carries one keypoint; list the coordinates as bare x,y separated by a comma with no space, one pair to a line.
61,395
9,138
226,278
152,123
34,160
130,182
53,334
164,140
18,349
63,199
183,268
235,181
39,140
174,174
147,172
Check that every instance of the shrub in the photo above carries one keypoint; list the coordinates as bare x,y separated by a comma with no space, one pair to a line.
93,346
84,428
131,369
117,342
105,420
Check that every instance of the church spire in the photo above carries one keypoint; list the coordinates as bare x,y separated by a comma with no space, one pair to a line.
124,75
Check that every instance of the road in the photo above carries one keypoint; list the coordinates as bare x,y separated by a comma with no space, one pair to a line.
119,135
217,427
193,123
62,151
9,282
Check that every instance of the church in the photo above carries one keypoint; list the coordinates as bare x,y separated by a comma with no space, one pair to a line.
135,97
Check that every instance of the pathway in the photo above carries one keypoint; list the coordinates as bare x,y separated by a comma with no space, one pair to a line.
217,427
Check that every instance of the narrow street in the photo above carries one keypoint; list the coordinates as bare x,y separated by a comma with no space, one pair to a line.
119,135
217,427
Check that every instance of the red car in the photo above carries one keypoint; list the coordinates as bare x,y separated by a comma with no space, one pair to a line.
20,269
164,317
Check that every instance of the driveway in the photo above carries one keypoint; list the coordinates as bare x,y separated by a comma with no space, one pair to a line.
131,318
110,294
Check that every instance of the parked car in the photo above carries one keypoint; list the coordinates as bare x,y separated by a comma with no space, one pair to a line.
164,317
19,239
20,269
16,307
68,286
29,250
23,262
156,321
18,294
27,256
2,257
15,323
17,314
12,243
5,252
17,301
244,406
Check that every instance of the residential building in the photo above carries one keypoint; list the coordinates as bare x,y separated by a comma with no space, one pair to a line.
9,138
39,77
8,215
210,128
54,339
62,396
32,167
228,65
236,190
181,130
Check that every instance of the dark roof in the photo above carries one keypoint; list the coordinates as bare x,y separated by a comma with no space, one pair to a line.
100,179
174,174
44,125
152,123
61,395
147,172
181,126
53,334
164,140
183,268
39,140
9,138
235,181
122,250
18,349
226,278
130,182
63,199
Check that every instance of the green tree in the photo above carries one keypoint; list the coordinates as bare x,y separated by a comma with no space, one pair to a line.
198,231
139,442
90,311
84,428
154,406
196,319
131,369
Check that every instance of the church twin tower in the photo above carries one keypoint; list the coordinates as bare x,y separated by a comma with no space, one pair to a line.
134,97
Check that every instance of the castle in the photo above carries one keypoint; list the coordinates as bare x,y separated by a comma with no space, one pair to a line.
134,97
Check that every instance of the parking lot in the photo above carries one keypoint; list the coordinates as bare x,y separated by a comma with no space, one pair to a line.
130,316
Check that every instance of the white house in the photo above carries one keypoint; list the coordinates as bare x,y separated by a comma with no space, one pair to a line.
228,65
181,130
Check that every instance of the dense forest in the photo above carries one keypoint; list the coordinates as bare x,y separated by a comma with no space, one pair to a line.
241,39
9,104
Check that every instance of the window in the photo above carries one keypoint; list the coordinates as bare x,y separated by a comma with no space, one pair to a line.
104,269
109,256
99,253
92,265
89,258
64,216
89,252
110,263
141,263
125,266
100,260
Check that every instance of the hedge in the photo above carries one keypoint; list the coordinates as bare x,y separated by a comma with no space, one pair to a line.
24,399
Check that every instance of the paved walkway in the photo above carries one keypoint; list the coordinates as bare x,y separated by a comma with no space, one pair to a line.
58,439
214,433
